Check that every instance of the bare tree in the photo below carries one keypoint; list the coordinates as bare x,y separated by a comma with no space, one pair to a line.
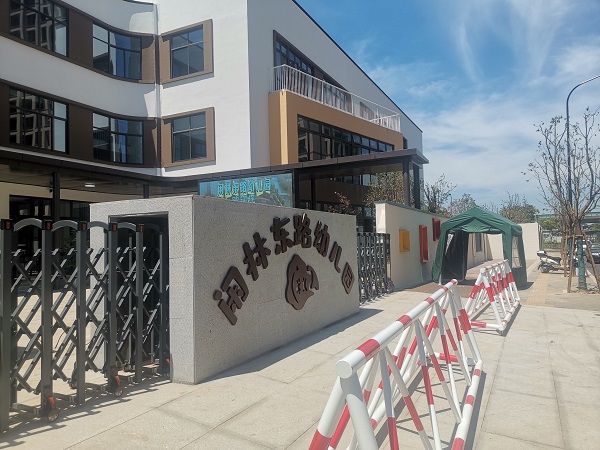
492,207
436,195
551,170
461,205
516,208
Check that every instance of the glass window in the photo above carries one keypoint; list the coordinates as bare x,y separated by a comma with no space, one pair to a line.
286,56
37,121
117,54
118,140
189,137
318,140
187,53
40,22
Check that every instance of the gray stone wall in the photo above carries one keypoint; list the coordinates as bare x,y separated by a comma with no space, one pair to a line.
206,240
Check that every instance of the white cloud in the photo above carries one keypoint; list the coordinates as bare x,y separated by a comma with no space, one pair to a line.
529,29
478,126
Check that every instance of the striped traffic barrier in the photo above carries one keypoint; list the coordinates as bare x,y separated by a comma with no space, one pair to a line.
495,287
437,328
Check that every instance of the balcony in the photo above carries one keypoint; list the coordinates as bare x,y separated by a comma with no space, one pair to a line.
289,79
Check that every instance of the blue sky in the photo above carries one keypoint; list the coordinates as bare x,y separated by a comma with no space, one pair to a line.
476,76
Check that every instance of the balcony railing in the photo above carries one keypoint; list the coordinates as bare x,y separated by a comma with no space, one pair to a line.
290,79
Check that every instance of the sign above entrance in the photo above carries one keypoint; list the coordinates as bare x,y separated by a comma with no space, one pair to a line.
273,190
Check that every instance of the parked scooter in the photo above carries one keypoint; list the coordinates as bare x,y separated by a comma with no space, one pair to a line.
547,262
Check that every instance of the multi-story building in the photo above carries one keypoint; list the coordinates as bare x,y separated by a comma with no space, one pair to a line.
246,99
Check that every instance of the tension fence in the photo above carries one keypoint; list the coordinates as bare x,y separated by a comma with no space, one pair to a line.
69,311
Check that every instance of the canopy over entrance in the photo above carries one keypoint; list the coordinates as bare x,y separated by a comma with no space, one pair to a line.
451,257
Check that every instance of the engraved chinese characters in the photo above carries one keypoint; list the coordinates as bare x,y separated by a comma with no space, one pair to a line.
302,279
237,292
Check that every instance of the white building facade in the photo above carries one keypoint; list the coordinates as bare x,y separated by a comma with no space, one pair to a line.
113,98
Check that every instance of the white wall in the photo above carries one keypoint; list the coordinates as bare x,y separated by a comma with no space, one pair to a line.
237,89
407,268
73,82
474,257
531,242
226,89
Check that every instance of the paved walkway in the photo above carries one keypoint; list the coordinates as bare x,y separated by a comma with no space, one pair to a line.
541,388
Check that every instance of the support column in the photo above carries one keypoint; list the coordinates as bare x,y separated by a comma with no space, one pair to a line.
313,193
406,181
55,196
416,185
296,189
6,237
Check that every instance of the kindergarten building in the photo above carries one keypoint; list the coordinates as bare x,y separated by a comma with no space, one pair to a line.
247,100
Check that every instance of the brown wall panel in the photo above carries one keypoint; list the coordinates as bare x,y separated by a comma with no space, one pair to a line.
4,20
284,109
164,43
164,58
165,143
80,133
4,114
150,143
80,38
166,150
148,63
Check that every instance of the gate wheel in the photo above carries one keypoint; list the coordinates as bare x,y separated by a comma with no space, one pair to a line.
50,406
53,415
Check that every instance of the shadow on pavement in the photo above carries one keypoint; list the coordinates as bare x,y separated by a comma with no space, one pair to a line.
289,348
23,425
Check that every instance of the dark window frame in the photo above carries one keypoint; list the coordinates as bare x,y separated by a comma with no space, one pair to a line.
33,31
27,108
341,143
173,49
110,134
189,131
285,55
115,50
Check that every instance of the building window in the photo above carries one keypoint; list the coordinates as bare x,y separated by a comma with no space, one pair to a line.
118,140
117,54
317,140
187,52
37,121
40,22
284,55
189,137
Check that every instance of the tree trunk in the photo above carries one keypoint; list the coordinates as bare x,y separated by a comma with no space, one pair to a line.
582,285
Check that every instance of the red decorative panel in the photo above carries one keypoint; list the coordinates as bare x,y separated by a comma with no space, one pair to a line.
436,228
423,243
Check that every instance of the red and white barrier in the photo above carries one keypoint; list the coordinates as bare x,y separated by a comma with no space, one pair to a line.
425,340
495,287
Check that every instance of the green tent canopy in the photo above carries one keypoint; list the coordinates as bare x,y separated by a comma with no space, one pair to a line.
452,251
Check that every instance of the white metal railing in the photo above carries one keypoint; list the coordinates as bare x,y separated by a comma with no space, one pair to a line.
294,80
423,341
